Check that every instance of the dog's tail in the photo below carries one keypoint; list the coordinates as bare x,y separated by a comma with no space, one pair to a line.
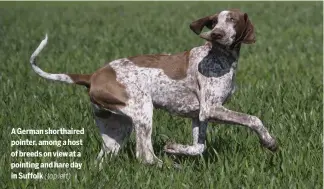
81,79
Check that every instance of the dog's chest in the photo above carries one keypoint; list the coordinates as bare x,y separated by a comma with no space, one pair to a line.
216,74
216,63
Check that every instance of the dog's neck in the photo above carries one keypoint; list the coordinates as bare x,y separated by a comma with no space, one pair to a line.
229,51
220,60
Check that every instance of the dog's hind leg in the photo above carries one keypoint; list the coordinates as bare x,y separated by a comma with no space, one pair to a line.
140,110
199,136
143,125
114,129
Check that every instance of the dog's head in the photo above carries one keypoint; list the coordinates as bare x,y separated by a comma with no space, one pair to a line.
228,28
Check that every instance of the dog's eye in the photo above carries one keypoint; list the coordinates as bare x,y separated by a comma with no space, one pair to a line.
214,23
232,19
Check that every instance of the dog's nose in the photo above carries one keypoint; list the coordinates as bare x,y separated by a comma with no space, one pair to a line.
218,34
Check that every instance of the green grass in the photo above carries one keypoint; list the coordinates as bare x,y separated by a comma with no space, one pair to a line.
279,80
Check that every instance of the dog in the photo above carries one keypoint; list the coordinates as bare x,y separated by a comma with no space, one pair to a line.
193,84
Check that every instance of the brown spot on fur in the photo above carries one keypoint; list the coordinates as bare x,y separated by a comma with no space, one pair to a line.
81,79
243,27
106,91
174,66
208,21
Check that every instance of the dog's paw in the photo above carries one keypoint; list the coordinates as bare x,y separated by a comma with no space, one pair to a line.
171,148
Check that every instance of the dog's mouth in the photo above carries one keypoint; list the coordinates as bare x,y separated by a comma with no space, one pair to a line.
221,41
206,36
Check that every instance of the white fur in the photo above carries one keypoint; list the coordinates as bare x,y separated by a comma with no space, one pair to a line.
227,27
197,96
57,77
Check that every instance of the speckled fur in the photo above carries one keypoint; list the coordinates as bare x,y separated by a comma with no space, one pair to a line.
208,84
200,96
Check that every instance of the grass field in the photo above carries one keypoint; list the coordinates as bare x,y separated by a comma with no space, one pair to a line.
279,80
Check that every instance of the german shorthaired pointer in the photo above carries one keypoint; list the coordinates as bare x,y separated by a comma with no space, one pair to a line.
193,84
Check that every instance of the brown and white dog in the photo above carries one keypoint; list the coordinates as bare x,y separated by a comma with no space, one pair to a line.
193,84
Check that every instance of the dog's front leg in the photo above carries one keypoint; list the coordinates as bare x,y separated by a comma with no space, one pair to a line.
199,137
220,113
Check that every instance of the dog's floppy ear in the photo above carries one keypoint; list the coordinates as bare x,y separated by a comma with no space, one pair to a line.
249,34
208,21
